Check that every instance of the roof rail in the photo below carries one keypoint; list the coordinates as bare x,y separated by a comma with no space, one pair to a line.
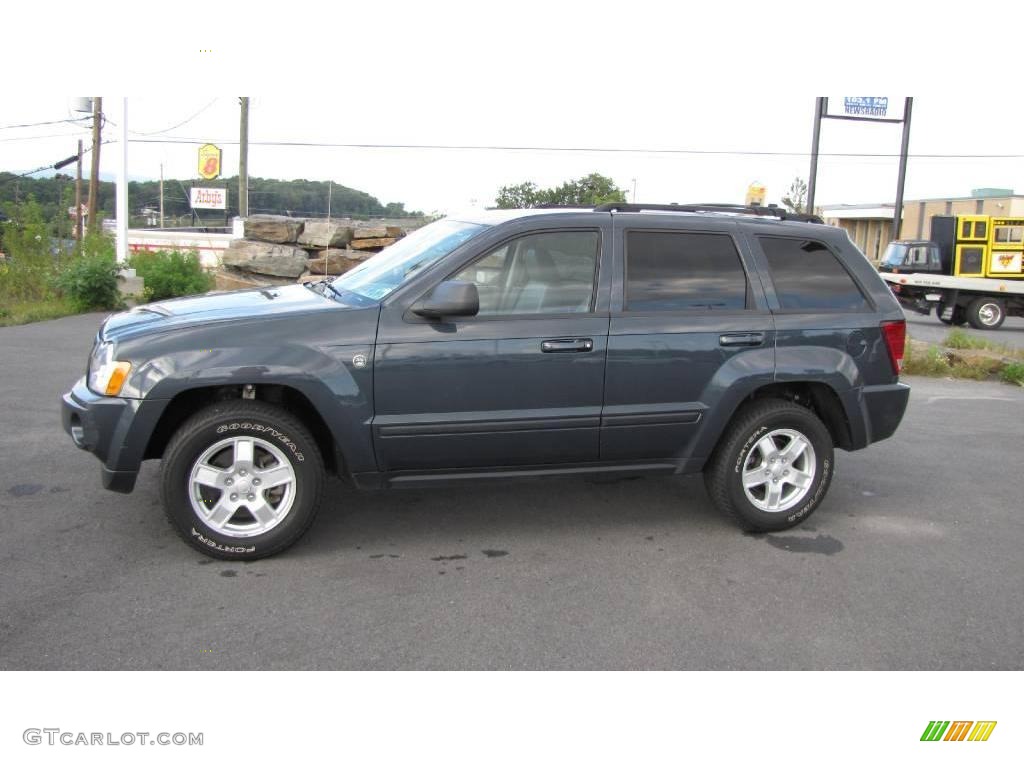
751,210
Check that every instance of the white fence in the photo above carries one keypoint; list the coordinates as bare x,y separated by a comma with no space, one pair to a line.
209,245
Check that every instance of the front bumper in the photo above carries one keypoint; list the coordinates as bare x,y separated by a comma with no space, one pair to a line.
106,428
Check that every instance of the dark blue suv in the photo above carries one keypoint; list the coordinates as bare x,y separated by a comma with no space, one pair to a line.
744,343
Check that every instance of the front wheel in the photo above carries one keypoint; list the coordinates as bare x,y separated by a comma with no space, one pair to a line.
773,466
241,480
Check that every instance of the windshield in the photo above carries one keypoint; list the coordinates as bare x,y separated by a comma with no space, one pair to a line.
894,255
378,276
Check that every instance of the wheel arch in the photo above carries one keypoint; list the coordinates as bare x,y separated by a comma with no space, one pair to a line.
818,397
290,398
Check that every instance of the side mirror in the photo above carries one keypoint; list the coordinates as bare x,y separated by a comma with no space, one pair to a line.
452,298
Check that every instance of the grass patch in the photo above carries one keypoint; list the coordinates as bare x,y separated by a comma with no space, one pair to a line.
1013,373
925,362
960,339
963,356
21,312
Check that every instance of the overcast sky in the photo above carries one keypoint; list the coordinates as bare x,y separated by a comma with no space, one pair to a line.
452,87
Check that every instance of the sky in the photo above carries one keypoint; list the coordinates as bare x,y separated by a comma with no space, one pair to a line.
453,88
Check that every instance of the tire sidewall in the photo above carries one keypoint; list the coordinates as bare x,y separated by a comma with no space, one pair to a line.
297,449
975,314
824,457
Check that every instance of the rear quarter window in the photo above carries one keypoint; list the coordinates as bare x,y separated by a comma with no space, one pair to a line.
808,276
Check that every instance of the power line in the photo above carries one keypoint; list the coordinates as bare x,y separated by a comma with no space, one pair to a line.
615,150
46,136
48,122
177,125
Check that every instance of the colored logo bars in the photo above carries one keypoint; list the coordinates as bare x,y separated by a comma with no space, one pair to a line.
958,730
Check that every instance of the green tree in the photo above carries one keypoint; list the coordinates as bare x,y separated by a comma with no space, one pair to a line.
590,190
796,198
525,195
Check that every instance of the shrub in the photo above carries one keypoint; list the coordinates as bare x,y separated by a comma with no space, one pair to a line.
170,273
1013,373
29,271
90,282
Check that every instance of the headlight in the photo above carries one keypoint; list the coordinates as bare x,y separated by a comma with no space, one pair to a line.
106,375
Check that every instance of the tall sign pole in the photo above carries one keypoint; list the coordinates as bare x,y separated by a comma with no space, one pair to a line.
812,181
122,188
161,195
897,215
78,196
243,160
869,109
94,174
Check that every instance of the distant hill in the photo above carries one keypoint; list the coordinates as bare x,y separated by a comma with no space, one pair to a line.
300,197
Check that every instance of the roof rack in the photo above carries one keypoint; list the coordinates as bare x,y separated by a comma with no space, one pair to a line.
751,210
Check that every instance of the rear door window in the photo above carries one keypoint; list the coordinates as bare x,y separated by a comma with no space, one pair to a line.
808,276
683,271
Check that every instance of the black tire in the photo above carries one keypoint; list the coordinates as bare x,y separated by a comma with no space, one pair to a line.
723,476
242,418
986,313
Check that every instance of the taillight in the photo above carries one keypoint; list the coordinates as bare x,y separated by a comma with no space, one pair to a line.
895,334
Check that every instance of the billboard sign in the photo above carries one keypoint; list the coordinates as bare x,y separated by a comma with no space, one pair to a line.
209,161
866,107
209,198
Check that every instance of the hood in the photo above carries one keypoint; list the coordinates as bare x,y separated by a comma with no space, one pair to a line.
248,304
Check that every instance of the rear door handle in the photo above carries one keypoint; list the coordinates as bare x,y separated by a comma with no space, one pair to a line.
741,339
567,345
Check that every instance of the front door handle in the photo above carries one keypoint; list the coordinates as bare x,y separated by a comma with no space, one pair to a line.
741,339
567,345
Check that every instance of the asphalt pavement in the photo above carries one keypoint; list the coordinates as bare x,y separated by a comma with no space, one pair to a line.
928,328
914,561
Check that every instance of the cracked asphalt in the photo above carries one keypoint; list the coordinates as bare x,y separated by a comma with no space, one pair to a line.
914,561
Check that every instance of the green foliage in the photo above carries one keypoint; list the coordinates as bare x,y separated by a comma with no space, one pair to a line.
29,271
525,195
932,362
20,312
90,281
965,357
299,197
588,191
168,274
796,198
1013,373
960,339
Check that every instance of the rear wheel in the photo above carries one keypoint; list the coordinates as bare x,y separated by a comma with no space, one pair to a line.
986,313
241,480
773,467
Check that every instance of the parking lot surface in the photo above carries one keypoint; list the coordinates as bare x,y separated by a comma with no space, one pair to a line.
914,560
928,328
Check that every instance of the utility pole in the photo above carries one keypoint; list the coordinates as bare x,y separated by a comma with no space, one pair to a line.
243,159
161,195
812,181
897,214
122,187
78,197
94,175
